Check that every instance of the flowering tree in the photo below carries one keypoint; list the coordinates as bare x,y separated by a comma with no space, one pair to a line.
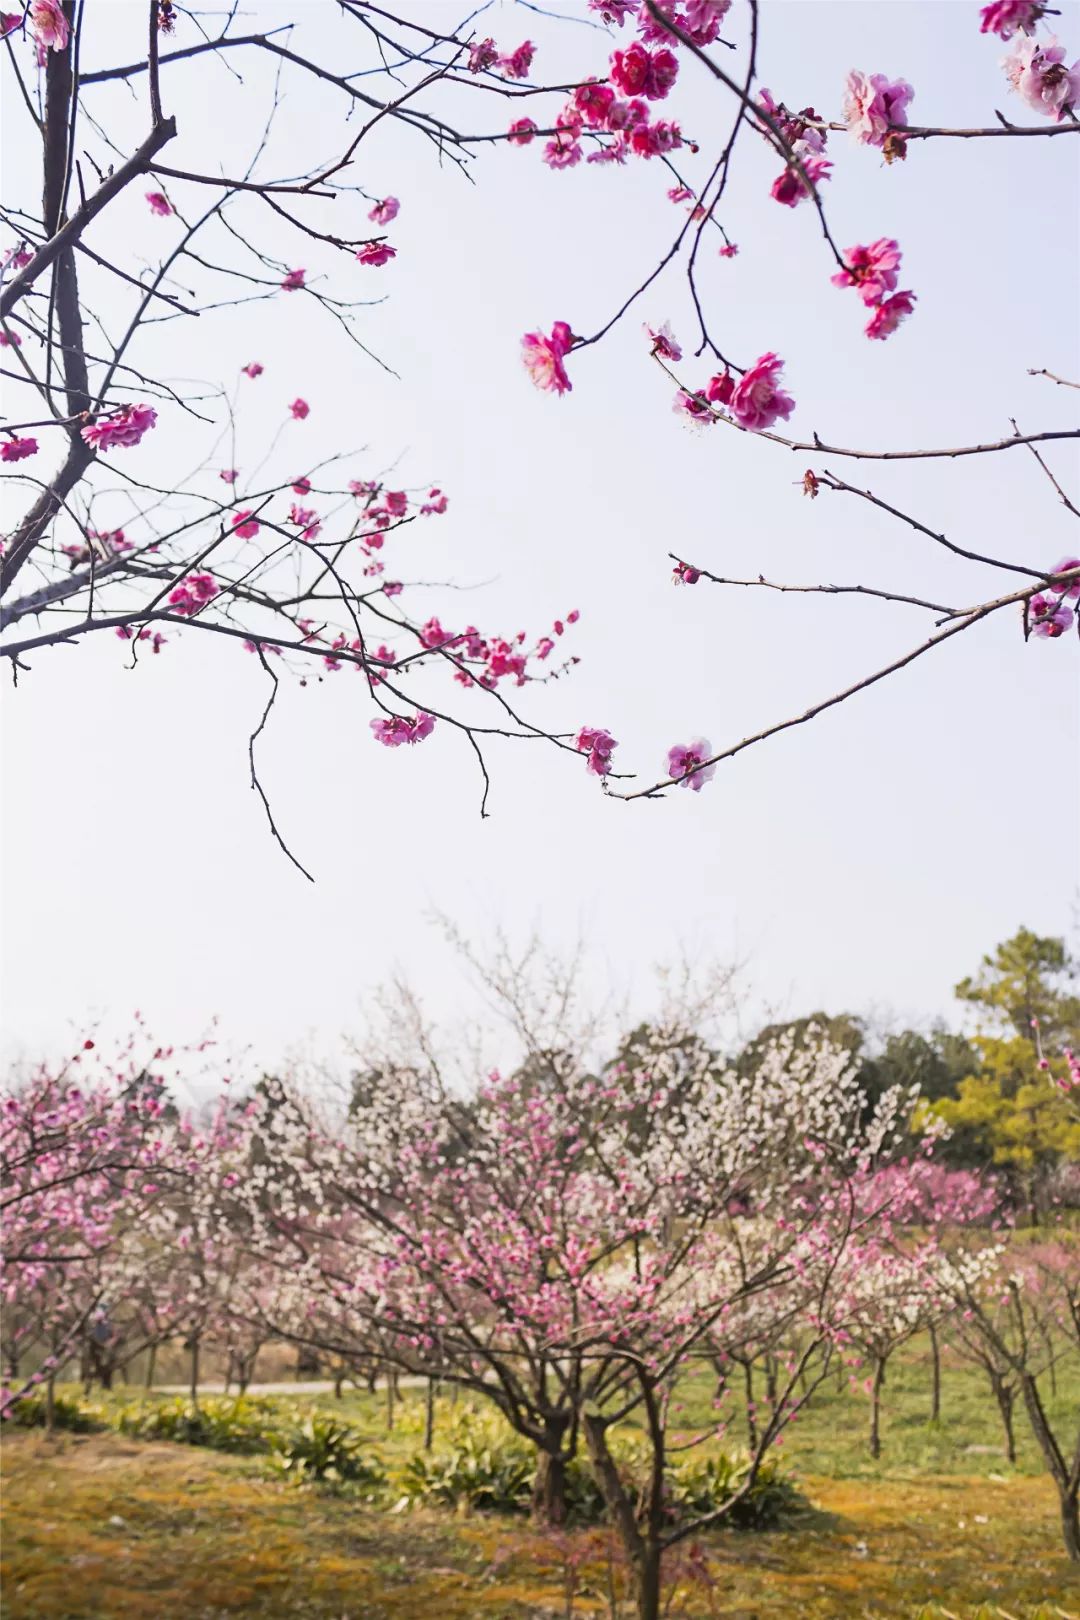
282,552
529,1242
83,1160
1026,1313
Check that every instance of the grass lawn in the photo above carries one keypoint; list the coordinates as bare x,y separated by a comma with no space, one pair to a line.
105,1526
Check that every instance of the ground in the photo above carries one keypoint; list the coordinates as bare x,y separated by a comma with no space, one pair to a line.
100,1527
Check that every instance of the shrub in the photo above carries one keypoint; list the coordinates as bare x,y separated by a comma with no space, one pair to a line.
241,1425
704,1486
325,1449
68,1413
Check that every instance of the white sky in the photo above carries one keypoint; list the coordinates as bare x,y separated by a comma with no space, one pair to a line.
865,861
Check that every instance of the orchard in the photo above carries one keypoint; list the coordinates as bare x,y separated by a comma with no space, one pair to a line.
385,393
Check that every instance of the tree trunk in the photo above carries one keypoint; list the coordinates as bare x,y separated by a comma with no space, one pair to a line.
751,1422
875,1407
339,1380
549,1488
935,1374
771,1373
1070,1524
1005,1396
390,1394
429,1415
1064,1478
195,1372
151,1359
647,1571
50,1405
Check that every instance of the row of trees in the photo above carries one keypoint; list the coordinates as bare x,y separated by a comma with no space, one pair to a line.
566,1241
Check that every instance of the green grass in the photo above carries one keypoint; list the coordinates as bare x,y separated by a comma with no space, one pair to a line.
939,1526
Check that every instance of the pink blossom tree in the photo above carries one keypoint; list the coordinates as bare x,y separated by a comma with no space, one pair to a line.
283,552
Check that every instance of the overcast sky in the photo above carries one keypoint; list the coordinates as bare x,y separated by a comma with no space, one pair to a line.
863,862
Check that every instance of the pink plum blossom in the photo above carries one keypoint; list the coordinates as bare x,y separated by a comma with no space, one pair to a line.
16,258
294,280
521,132
383,212
399,729
482,55
159,203
729,250
691,405
376,253
299,409
253,369
10,340
123,428
685,573
435,504
638,72
874,270
1066,566
393,587
16,449
49,25
757,400
302,486
518,63
1005,17
702,19
873,105
192,593
562,152
246,525
1039,76
228,475
9,21
664,342
888,315
680,194
683,758
543,357
1048,617
599,745
790,188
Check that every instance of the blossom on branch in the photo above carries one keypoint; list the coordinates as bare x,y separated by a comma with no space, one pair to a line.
757,400
888,315
193,593
383,212
16,449
399,729
790,187
159,203
49,25
122,429
638,72
253,369
518,63
875,105
664,342
599,745
543,357
294,280
1049,617
683,759
1067,565
1005,17
376,253
246,525
521,132
874,270
299,410
1039,76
